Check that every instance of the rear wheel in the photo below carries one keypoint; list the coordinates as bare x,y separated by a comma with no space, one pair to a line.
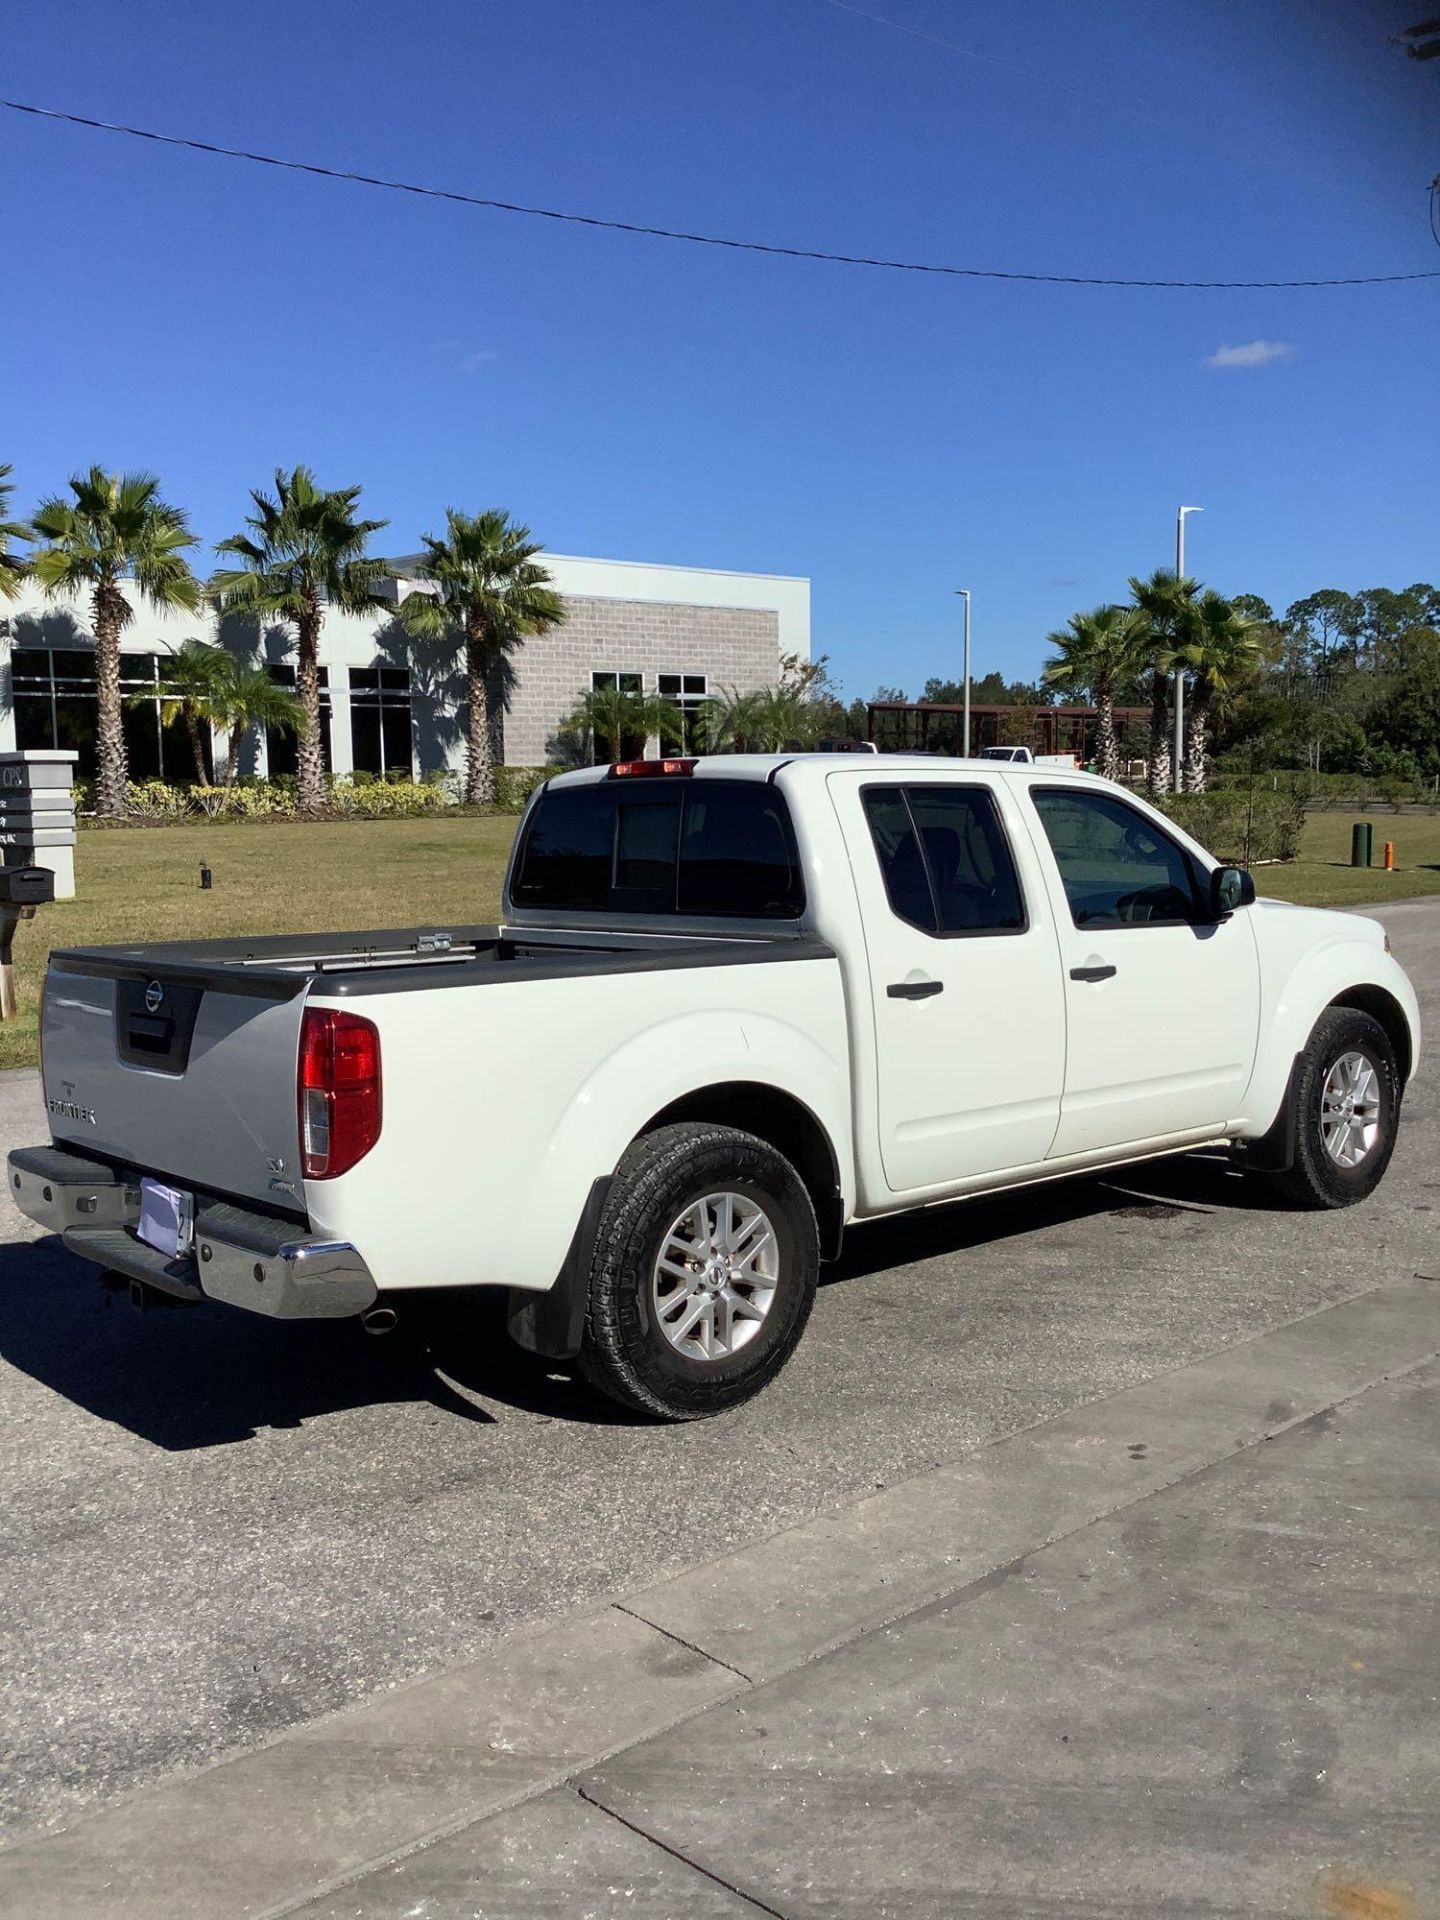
703,1273
1346,1097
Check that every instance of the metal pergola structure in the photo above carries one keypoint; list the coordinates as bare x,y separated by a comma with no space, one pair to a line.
914,726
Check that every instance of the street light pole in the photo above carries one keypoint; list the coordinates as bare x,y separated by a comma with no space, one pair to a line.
1178,769
964,593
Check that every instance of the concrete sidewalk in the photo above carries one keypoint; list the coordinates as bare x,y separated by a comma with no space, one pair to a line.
1175,1652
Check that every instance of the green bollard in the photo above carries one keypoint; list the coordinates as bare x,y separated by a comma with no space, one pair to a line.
1361,840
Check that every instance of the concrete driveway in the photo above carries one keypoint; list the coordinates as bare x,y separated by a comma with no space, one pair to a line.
214,1529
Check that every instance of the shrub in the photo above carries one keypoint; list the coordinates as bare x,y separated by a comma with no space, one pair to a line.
372,799
1239,826
155,800
349,796
252,800
514,786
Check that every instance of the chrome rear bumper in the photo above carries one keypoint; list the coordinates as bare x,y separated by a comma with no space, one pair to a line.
246,1259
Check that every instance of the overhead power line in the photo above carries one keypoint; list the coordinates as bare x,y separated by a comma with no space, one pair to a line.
699,239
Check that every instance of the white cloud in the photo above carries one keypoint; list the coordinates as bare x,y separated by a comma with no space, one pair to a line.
1254,353
473,362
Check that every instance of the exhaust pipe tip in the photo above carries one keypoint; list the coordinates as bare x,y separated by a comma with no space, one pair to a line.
379,1320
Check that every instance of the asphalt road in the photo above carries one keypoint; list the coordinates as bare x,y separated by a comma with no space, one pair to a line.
213,1528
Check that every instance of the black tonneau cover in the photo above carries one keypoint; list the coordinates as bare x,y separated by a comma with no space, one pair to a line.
397,959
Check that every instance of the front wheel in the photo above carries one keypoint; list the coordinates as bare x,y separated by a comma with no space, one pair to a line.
703,1273
1346,1097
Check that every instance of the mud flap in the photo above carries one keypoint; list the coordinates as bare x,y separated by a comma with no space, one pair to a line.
553,1323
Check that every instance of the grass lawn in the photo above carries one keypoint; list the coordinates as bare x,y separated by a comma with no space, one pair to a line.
144,884
1323,876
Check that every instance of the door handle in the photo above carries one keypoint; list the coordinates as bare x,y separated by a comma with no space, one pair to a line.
1092,973
914,989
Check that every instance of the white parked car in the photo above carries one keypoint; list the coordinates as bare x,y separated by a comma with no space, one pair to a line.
1023,757
735,1005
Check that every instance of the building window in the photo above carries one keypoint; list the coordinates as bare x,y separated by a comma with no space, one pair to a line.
282,747
621,682
56,707
687,691
380,732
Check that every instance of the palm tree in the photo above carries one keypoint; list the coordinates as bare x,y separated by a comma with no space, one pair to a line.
1096,654
766,721
730,721
1166,605
189,682
244,696
305,551
115,527
1222,657
493,596
619,721
13,566
206,685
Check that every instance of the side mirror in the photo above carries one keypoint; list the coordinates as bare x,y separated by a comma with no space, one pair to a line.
1230,887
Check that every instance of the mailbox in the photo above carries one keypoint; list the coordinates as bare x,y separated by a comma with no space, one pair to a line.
37,814
26,886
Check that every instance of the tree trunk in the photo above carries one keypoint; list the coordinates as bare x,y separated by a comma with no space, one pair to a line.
232,756
1107,752
1157,767
310,761
479,775
1197,757
192,727
112,764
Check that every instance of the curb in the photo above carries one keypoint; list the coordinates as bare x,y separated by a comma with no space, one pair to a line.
256,1836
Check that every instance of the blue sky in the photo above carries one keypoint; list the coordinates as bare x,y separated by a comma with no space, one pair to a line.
891,436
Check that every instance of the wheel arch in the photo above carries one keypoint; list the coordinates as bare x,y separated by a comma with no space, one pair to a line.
783,1122
1384,1007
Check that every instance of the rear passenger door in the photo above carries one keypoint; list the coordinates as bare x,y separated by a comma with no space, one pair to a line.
965,978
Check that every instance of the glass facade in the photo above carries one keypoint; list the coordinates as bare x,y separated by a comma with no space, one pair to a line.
282,748
381,736
687,691
56,706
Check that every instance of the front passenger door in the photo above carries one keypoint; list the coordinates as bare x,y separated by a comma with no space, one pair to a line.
1163,1002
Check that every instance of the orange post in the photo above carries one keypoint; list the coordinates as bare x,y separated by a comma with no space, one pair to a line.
1389,856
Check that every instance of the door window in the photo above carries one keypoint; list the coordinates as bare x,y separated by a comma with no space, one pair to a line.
945,859
1118,868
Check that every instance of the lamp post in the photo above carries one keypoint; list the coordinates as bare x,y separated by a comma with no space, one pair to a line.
964,593
1179,773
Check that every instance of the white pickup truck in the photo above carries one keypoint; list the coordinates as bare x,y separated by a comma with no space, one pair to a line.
735,1004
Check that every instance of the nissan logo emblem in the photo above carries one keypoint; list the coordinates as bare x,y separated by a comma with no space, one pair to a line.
154,994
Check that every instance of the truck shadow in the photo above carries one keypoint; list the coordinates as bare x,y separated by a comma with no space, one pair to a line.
189,1378
1194,1182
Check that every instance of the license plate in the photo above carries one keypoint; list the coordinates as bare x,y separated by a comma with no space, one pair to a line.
167,1219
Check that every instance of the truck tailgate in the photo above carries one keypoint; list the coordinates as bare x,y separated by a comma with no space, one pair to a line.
184,1072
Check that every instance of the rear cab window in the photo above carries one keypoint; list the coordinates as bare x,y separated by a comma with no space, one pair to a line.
707,848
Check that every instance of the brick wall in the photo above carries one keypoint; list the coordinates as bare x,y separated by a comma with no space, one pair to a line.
731,646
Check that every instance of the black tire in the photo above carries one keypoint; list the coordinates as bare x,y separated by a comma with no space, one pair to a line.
1316,1179
624,1351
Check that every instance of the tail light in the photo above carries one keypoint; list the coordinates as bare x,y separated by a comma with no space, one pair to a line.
339,1091
649,769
